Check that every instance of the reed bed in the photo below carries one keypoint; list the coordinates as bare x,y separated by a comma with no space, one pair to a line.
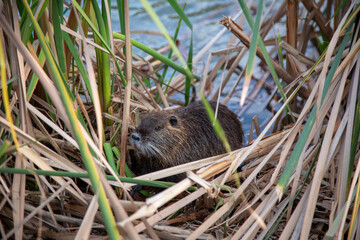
72,90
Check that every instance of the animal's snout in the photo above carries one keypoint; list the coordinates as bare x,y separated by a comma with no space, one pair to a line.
135,137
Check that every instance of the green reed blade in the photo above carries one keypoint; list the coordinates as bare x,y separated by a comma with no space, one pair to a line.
265,53
34,78
103,60
110,156
162,28
252,50
78,61
188,80
280,53
97,34
217,127
186,20
175,5
57,16
355,137
158,56
171,50
149,183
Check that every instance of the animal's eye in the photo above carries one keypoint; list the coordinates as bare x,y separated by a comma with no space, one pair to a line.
173,120
157,128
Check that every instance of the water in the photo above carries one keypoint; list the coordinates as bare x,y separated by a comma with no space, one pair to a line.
204,15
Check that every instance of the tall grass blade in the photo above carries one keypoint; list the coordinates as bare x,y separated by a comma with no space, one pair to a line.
34,79
175,5
158,56
163,30
97,34
217,127
57,17
188,79
5,96
170,54
110,156
149,183
265,53
120,4
79,63
355,138
156,19
252,51
186,20
103,61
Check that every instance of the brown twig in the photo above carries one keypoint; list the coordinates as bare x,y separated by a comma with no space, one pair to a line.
239,33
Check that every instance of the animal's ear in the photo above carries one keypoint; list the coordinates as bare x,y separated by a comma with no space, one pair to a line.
173,121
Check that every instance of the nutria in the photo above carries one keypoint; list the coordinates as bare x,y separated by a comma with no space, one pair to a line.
171,137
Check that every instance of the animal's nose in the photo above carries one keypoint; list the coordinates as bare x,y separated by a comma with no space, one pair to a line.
135,136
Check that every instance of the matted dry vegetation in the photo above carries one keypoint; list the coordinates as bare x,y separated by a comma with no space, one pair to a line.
70,99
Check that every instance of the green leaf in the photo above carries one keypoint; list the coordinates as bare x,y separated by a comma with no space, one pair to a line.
158,184
163,30
97,34
79,63
109,155
34,78
265,53
188,79
181,13
163,76
281,57
158,56
4,147
57,17
217,127
252,50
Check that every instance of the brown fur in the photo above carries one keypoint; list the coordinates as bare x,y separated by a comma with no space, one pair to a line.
172,137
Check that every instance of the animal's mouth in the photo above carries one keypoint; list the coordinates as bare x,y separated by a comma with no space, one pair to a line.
136,146
143,150
133,144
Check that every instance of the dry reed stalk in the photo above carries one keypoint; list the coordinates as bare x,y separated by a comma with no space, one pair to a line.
161,198
18,184
96,98
312,7
291,33
295,53
230,94
230,72
239,33
324,151
43,77
85,227
208,80
128,74
28,217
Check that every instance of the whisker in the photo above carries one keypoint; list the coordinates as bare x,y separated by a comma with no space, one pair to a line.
157,152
